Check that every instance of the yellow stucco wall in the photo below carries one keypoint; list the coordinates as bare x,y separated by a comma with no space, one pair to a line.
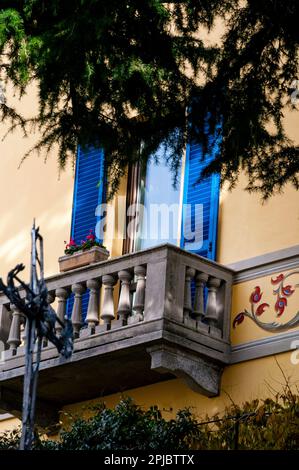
34,190
248,227
241,382
9,424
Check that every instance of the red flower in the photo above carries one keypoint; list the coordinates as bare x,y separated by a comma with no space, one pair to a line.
278,279
256,295
70,243
287,290
280,305
261,308
90,237
238,319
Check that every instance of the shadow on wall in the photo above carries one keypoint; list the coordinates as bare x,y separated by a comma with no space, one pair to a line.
54,223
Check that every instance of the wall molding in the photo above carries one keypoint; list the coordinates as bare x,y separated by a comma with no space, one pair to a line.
263,347
263,265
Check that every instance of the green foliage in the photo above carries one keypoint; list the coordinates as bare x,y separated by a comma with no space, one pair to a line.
114,73
10,440
96,63
250,92
127,427
271,424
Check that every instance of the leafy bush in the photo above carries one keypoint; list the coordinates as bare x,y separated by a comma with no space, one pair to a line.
263,425
127,427
271,424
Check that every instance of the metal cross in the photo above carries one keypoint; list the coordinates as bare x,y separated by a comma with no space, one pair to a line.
40,323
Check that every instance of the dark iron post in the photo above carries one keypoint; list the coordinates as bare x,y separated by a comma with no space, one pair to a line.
40,323
31,370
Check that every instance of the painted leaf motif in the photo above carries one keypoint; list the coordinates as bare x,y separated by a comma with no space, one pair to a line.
261,308
280,305
238,319
256,295
278,279
287,290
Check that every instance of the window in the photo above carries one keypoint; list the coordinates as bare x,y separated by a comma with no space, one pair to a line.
161,204
186,215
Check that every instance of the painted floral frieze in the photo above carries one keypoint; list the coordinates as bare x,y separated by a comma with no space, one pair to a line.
283,289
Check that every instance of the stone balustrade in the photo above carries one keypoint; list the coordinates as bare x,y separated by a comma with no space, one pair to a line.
123,296
169,302
203,308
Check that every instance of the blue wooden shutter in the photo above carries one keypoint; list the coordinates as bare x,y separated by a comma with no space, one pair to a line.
205,193
89,192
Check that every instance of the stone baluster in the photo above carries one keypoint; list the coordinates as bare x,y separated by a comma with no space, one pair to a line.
124,304
50,300
78,290
14,338
92,317
212,315
62,294
190,272
200,282
23,329
138,308
107,314
51,297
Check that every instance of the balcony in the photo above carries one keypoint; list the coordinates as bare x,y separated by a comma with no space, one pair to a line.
151,316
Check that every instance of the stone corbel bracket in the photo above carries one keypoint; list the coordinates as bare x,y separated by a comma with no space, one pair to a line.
201,376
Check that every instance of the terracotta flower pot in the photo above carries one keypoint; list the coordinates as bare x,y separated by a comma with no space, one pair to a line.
82,258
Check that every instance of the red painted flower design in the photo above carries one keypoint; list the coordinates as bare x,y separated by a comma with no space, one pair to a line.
256,295
287,290
280,305
238,319
282,293
278,279
261,308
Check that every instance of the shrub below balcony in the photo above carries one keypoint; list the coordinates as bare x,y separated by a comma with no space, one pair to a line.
271,424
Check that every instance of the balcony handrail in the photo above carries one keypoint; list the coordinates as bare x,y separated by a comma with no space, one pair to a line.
160,282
